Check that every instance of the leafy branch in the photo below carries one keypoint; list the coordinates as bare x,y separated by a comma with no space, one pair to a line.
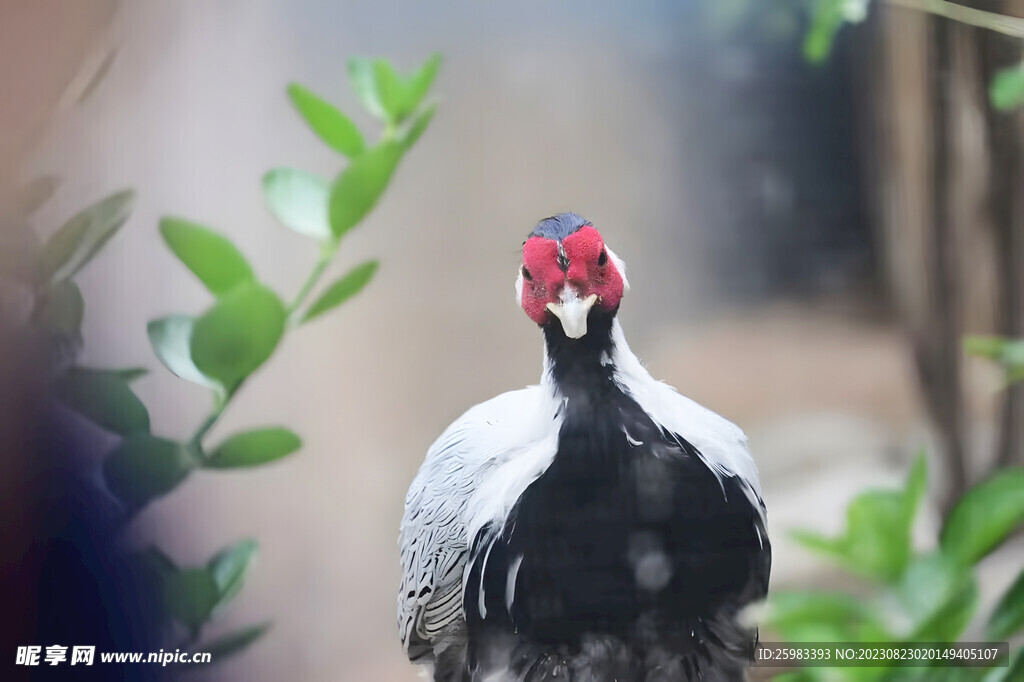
240,332
221,348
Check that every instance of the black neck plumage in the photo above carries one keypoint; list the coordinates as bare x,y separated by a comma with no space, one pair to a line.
582,367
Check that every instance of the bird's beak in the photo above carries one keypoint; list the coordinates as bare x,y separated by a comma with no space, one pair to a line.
572,312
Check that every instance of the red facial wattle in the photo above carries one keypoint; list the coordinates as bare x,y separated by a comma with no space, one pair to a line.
590,271
543,279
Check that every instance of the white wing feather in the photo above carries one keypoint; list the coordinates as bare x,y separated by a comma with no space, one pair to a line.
434,539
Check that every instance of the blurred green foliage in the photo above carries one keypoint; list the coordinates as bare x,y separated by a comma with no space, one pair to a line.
81,238
827,17
1007,89
910,596
223,346
876,543
915,596
822,20
1008,354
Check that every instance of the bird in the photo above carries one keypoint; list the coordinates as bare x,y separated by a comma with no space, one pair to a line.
596,526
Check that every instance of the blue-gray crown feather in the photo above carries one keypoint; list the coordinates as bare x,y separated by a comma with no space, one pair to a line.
559,226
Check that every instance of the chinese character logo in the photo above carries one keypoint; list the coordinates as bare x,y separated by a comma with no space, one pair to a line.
28,655
56,654
83,655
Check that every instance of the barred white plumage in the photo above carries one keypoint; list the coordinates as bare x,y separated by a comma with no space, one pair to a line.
433,537
597,526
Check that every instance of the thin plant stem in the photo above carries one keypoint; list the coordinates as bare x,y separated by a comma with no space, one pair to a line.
196,442
326,255
993,21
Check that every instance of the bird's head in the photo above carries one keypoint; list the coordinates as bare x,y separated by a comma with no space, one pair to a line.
567,272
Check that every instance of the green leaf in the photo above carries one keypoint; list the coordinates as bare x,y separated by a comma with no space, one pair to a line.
1006,91
878,536
343,289
210,256
299,201
333,127
364,82
81,237
234,642
390,90
125,374
190,595
984,516
826,20
418,84
254,447
990,347
237,334
385,93
193,595
357,188
399,96
63,310
1008,616
228,568
817,542
171,339
940,596
797,615
917,483
130,374
877,540
1009,353
143,467
103,397
419,125
802,675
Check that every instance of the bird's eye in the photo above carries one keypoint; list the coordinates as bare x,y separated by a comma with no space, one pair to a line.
603,258
526,275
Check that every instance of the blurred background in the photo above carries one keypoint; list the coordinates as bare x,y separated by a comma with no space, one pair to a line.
807,244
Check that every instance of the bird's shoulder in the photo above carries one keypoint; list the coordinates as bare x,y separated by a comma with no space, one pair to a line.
479,438
433,536
721,444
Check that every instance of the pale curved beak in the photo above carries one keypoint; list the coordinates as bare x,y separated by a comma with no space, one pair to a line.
572,312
